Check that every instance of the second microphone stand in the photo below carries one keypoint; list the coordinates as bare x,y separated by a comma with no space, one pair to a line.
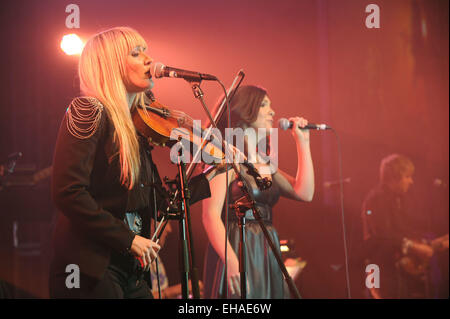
241,207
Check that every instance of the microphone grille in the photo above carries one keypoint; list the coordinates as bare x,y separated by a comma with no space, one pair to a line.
283,124
156,69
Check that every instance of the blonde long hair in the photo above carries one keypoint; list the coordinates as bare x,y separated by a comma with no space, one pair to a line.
102,72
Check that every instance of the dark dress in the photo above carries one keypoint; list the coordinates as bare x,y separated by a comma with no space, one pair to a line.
264,275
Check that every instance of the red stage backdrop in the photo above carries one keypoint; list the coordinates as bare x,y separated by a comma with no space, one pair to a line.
383,90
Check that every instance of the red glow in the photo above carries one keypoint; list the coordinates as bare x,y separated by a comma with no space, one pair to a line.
71,44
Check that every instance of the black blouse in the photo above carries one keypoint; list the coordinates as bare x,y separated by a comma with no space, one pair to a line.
87,191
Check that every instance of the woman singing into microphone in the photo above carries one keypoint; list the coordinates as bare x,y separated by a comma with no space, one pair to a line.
251,108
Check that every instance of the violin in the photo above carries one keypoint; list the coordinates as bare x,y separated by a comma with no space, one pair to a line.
155,122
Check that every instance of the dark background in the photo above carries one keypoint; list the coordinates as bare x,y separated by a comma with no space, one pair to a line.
383,91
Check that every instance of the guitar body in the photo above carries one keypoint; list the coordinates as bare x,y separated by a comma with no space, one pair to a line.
413,266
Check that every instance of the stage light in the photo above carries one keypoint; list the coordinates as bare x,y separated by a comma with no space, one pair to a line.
284,246
71,44
424,28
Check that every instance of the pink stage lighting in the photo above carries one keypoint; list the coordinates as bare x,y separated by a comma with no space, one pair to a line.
71,44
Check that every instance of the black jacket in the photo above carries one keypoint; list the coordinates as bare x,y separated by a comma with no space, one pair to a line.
91,201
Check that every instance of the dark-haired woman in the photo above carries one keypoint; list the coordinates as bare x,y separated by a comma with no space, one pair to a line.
251,109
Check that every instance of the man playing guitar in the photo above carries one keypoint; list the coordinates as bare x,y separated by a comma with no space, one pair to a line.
389,242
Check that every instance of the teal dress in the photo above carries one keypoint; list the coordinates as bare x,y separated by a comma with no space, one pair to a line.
263,272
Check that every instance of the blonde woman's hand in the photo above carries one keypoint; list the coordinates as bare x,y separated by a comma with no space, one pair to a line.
145,249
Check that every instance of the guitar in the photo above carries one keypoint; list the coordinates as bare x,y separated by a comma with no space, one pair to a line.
418,255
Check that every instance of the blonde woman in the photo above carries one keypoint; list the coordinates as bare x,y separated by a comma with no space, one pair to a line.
102,174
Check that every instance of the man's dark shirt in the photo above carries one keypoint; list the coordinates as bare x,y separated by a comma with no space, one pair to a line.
385,224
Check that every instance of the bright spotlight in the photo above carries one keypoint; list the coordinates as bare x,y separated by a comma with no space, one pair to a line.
71,44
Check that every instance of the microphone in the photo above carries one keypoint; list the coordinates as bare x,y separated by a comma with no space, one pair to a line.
285,124
12,159
159,70
14,156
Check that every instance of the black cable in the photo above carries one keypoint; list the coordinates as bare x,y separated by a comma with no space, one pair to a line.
344,236
225,270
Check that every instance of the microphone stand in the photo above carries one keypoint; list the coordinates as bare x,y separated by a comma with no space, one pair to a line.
241,206
187,256
8,169
246,202
173,212
184,240
187,246
183,215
